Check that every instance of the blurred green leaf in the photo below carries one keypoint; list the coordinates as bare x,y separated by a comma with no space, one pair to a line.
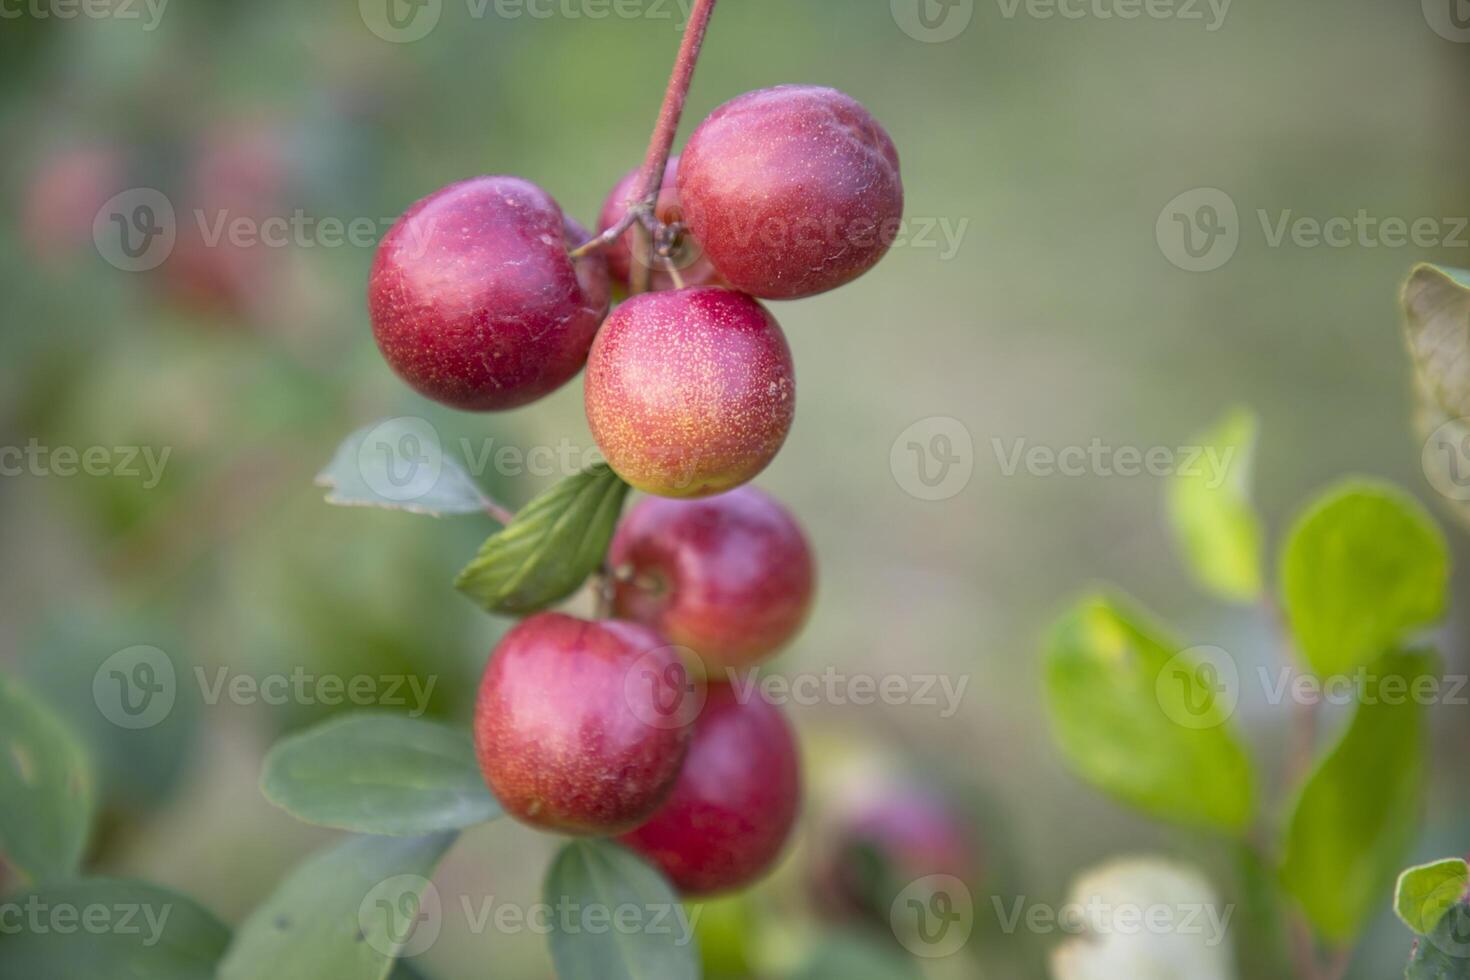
1436,304
46,790
598,878
554,543
400,464
119,930
1444,954
1358,813
345,913
1139,718
1365,566
379,774
1426,892
136,768
1210,511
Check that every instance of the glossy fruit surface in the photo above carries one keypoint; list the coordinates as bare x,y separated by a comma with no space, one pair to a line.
731,577
473,298
581,727
687,257
690,393
791,191
735,802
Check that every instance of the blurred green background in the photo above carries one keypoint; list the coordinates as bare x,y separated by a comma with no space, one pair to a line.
1046,146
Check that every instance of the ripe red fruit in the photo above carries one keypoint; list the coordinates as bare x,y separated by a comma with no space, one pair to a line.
690,393
791,191
474,300
581,727
688,258
735,802
730,577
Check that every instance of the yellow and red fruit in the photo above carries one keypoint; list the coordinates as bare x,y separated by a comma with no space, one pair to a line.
691,392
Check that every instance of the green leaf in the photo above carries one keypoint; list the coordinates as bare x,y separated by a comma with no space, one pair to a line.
400,464
599,884
554,543
379,774
346,913
85,664
109,929
1358,813
46,788
1361,570
1436,305
1444,954
1211,514
1143,720
1425,893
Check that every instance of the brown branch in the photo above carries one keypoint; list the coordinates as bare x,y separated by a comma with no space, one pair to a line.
660,147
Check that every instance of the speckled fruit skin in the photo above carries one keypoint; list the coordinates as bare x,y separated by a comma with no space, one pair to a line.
694,268
474,301
567,742
691,392
731,577
735,802
791,191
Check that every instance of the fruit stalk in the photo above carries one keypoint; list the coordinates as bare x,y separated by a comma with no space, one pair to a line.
661,144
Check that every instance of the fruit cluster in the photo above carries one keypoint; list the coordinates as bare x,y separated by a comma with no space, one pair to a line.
486,296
